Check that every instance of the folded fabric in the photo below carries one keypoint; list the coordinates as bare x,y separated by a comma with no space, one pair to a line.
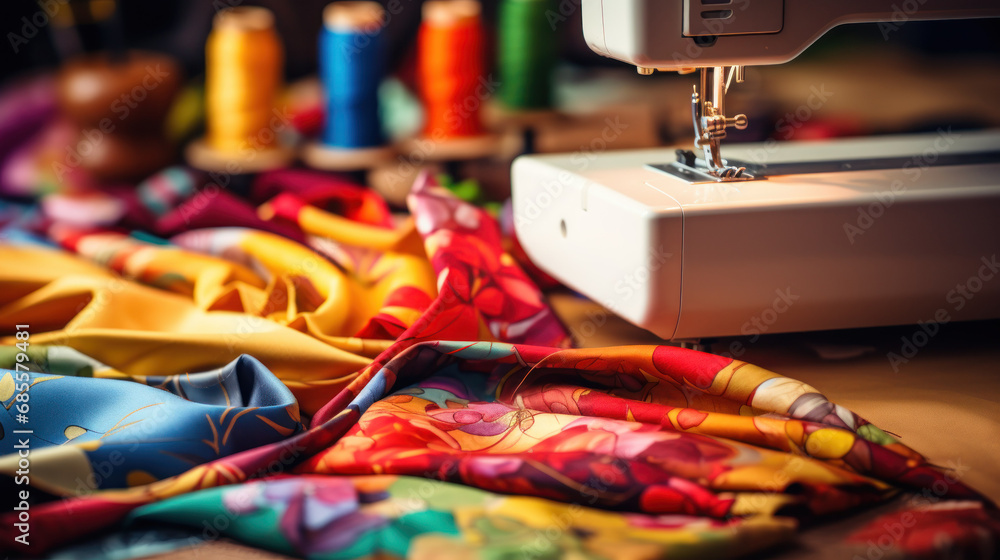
91,434
352,201
950,529
613,429
57,360
144,331
333,518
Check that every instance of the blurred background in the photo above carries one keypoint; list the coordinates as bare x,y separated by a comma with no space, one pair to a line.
180,27
919,76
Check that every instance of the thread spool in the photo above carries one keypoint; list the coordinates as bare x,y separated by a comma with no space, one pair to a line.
453,81
527,54
526,60
244,66
352,65
119,108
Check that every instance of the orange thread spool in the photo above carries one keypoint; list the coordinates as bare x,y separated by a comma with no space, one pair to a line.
450,67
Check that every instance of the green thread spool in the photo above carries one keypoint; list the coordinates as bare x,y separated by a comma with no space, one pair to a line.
527,54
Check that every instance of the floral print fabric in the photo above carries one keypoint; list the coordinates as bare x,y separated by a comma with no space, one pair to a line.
314,385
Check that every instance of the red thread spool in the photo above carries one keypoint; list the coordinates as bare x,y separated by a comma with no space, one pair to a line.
450,66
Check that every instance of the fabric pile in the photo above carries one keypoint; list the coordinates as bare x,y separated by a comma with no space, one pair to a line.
298,371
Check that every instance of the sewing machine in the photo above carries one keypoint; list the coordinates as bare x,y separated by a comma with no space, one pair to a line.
772,237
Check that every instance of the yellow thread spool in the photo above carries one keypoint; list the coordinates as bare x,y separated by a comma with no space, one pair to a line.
243,76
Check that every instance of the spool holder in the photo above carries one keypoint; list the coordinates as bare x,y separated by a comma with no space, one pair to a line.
206,158
332,158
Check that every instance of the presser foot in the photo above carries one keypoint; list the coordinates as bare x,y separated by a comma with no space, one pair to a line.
693,169
710,121
731,173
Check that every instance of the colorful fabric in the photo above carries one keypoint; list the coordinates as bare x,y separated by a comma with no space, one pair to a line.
416,349
949,529
398,517
124,434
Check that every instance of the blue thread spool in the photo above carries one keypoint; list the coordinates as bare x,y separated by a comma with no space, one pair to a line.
351,58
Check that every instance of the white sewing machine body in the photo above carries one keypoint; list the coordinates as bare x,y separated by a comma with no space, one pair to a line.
675,34
770,237
849,248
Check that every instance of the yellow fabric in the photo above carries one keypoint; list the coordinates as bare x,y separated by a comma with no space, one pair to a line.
144,331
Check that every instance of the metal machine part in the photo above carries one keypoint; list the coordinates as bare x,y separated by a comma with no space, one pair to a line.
688,167
711,122
711,35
